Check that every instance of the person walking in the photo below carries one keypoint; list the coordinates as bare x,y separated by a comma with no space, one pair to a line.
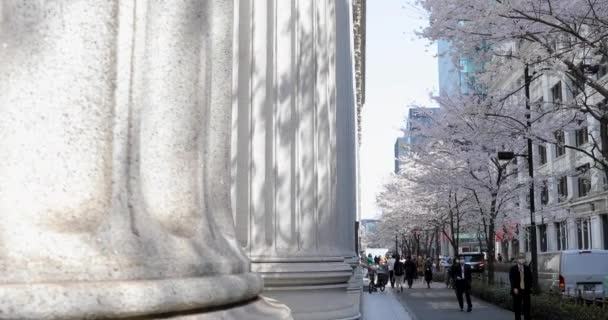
399,271
410,271
499,258
428,272
520,277
448,273
461,274
391,268
419,268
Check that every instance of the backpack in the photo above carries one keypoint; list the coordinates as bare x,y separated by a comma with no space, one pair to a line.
399,269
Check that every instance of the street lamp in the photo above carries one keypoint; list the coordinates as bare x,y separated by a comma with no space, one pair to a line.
508,155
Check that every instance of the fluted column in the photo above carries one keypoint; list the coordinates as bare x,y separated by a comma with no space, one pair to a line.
114,171
293,123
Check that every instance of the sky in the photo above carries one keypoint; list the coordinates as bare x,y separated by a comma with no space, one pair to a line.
401,70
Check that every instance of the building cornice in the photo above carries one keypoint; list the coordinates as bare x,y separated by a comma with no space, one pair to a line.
359,26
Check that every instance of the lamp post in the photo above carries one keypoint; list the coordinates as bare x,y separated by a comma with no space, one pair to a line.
510,155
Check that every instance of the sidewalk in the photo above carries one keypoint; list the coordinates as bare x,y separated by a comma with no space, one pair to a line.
440,303
382,305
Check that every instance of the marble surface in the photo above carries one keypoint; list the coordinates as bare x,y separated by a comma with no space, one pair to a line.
115,127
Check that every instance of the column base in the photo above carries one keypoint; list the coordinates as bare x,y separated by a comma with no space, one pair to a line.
331,302
355,283
261,308
313,288
137,299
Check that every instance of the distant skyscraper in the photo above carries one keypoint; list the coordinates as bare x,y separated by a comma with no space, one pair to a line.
449,77
400,149
453,77
416,118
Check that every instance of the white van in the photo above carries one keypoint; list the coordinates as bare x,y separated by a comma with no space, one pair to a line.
583,270
573,270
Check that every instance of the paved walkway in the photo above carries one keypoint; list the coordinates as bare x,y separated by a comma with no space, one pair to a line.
382,305
439,303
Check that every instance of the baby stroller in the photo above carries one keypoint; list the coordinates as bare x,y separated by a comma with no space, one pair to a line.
378,278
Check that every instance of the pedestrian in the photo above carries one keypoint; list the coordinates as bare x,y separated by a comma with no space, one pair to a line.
370,260
428,272
448,278
461,273
376,260
391,272
399,269
499,258
520,277
410,271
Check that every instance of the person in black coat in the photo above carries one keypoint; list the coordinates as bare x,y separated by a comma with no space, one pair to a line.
428,272
410,271
520,277
461,273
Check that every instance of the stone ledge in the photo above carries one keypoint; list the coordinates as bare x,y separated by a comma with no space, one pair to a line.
122,299
261,308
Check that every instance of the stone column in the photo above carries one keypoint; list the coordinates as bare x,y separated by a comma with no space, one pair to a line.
551,236
572,233
294,201
597,232
115,139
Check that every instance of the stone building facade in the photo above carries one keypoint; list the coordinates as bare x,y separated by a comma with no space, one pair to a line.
180,160
571,203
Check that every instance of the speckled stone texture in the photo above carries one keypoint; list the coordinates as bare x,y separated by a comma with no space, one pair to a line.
114,172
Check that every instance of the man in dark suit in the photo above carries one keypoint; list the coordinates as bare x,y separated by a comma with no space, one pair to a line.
520,277
410,271
461,273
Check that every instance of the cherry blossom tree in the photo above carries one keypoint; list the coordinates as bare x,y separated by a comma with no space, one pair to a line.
565,39
455,168
566,36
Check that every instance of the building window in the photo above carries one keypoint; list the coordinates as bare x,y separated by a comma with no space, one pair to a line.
542,235
604,218
577,86
562,188
540,104
583,227
604,134
602,69
527,234
544,194
561,229
542,154
582,136
560,142
556,93
584,180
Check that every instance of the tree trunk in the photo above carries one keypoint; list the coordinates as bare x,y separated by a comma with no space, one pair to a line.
437,249
491,244
490,239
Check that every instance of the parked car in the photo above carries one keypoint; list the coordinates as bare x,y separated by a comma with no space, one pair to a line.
476,260
574,271
445,262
